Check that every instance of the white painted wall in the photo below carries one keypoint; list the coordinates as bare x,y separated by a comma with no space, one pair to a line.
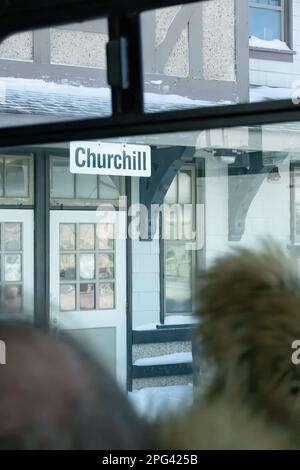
268,215
276,73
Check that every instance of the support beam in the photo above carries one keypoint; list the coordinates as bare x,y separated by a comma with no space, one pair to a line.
166,162
41,242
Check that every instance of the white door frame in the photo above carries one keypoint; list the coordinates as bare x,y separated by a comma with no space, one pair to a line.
26,218
116,317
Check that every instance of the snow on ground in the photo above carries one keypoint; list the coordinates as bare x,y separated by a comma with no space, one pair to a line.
170,320
272,44
153,402
175,358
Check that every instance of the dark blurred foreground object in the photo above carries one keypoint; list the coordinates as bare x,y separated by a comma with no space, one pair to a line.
54,396
249,304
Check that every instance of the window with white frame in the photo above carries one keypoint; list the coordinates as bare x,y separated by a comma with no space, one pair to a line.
11,267
295,186
267,19
179,226
16,179
87,266
69,189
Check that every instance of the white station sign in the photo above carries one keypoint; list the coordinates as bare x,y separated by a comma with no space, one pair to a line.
103,158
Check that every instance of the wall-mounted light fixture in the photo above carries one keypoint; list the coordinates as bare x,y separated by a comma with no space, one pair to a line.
274,175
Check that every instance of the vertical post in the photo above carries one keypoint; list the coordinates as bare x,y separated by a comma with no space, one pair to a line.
129,288
124,64
242,49
41,46
41,241
162,291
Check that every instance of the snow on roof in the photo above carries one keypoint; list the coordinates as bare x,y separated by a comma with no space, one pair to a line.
29,96
19,96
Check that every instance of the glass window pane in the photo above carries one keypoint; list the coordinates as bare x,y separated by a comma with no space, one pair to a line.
1,176
173,222
13,268
70,82
106,266
187,222
106,296
105,236
87,296
12,236
297,205
171,196
87,266
185,187
67,236
62,181
109,187
265,24
172,63
86,186
178,272
87,236
67,297
16,177
11,299
67,267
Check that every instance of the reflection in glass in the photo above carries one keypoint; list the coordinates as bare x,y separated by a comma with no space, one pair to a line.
106,266
297,205
67,267
171,196
109,187
67,236
87,237
105,236
185,187
173,222
187,222
87,296
1,177
178,272
12,236
67,297
62,181
16,177
87,266
13,268
86,186
106,296
11,299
